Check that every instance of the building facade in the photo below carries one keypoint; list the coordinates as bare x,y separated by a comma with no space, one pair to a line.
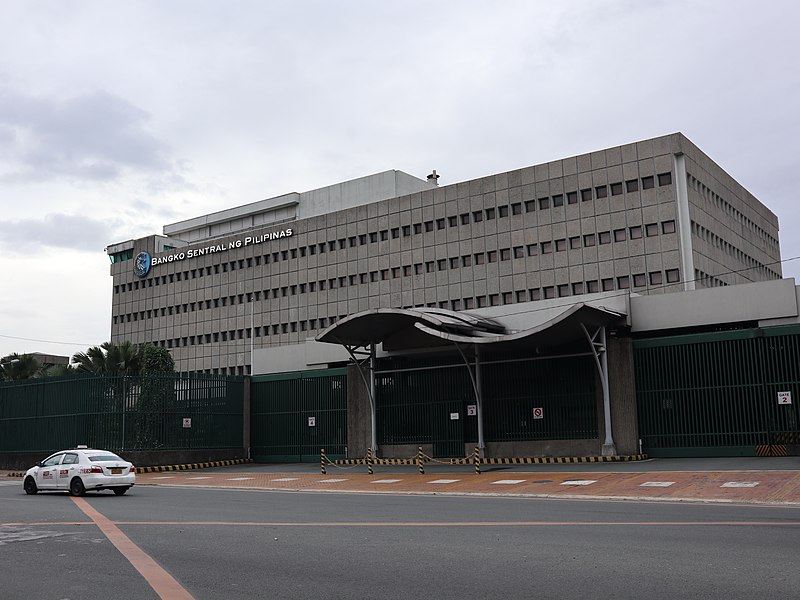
248,289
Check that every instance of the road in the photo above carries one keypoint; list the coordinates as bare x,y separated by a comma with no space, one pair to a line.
231,544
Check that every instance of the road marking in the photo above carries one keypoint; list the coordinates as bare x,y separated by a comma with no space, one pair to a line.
331,480
204,477
239,478
287,479
444,481
164,477
579,482
656,484
740,484
164,584
387,480
508,481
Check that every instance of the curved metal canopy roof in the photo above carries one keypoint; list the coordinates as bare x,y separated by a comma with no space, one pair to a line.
419,328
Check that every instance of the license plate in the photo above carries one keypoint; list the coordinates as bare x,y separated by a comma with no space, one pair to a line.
116,471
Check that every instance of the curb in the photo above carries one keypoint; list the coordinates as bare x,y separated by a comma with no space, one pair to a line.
192,466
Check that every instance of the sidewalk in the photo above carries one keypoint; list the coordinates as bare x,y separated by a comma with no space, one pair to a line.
768,487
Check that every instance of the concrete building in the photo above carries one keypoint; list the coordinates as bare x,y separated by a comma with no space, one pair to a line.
248,289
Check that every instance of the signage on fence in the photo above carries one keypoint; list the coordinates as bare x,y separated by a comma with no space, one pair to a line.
187,423
312,421
784,397
454,416
472,410
538,413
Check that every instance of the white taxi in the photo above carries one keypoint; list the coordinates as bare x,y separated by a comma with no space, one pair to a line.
80,470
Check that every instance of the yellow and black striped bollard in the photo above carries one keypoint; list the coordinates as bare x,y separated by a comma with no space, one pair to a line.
420,463
322,462
477,459
369,461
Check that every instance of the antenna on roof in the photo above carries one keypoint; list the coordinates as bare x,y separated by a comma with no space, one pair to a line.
433,178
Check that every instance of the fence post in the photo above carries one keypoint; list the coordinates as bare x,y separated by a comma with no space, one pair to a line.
322,461
369,461
420,463
477,460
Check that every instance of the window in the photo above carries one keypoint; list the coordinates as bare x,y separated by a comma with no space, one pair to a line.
454,262
507,298
648,182
362,239
619,235
505,253
384,235
572,197
502,211
673,275
477,216
651,229
373,237
490,214
589,240
466,260
521,296
406,230
480,258
530,206
558,200
494,300
395,233
549,292
586,195
465,219
342,246
491,256
623,282
428,226
544,203
519,252
452,221
639,280
616,189
601,191
417,228
636,232
561,245
608,284
534,294
664,179
592,287
441,264
469,303
668,227
632,185
547,247
575,242
440,223
577,289
604,237
656,278
516,208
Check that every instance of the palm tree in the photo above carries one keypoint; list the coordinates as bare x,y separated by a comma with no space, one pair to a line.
18,366
112,359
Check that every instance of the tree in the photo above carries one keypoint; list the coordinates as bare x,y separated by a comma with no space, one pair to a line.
157,395
18,366
109,358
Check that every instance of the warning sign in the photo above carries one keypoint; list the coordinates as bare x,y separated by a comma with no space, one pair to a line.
454,416
472,410
784,397
312,421
538,413
187,423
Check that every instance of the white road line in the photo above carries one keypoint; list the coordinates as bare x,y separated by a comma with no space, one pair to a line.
444,481
387,480
740,484
579,482
204,477
508,481
331,480
287,479
164,477
239,478
656,484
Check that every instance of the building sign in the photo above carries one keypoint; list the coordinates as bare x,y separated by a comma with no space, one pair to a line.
312,421
784,397
454,416
144,261
538,413
472,410
187,423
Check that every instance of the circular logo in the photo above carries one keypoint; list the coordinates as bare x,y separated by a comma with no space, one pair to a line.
141,266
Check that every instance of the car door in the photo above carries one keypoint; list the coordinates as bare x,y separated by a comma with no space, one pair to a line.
66,470
47,475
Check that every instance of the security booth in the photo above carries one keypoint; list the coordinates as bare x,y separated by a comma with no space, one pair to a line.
520,380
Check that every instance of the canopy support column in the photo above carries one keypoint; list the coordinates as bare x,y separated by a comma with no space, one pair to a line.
369,384
600,353
475,379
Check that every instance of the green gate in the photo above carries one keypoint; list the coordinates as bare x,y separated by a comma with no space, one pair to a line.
716,394
295,415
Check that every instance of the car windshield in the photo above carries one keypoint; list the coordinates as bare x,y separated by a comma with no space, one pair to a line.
104,457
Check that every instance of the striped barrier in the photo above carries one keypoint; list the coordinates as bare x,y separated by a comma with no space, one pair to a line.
192,466
771,450
541,460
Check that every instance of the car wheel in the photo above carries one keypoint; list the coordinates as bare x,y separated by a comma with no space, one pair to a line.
30,486
76,487
119,491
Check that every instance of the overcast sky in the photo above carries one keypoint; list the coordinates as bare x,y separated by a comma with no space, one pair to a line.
117,118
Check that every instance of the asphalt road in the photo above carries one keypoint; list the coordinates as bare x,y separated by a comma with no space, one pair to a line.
232,544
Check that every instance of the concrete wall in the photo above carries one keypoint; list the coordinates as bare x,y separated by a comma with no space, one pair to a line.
359,424
622,389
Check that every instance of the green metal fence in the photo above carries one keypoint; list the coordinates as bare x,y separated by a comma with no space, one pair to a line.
717,394
121,413
294,415
431,404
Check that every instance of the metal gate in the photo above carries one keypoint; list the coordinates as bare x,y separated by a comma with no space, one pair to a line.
717,394
295,415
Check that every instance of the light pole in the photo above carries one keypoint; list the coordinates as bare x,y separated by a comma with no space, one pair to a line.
8,362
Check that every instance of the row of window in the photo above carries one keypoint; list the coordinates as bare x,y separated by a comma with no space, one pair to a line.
623,282
730,210
713,239
491,256
707,280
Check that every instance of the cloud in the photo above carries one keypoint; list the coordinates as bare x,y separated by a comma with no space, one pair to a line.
75,232
93,137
